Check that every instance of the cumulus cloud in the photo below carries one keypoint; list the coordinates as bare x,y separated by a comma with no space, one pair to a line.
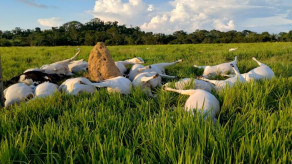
223,15
189,15
219,25
51,22
131,12
32,3
150,8
158,22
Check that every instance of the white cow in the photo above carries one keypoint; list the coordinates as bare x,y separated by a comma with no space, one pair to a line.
118,84
193,83
261,72
233,49
223,68
33,69
137,60
77,66
159,68
60,67
201,100
18,92
136,69
45,89
74,86
122,64
146,81
221,84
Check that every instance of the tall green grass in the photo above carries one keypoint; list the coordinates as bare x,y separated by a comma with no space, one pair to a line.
277,55
254,125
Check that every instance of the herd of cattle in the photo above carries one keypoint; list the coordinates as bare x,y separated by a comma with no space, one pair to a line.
42,82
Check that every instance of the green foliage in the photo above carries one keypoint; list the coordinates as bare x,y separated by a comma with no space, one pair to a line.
254,125
76,33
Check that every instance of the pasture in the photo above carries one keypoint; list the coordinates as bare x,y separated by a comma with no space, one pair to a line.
254,125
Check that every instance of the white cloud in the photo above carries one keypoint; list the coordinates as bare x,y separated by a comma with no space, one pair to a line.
269,21
180,13
219,25
223,15
32,3
51,22
189,15
125,13
150,8
157,22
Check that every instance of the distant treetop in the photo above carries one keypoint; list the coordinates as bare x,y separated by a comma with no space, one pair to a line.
96,30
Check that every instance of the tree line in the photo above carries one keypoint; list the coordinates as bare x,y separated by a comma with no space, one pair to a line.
96,30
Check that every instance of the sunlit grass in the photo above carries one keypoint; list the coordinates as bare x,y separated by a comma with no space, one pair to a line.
254,123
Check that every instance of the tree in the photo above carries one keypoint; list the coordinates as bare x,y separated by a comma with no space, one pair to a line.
180,37
290,36
72,31
246,32
200,35
265,37
38,30
90,39
73,25
5,42
283,36
193,38
76,33
17,31
215,36
94,24
148,38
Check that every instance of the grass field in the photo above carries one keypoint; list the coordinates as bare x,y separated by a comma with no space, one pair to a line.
255,122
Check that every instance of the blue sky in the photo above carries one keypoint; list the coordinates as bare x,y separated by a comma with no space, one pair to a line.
164,16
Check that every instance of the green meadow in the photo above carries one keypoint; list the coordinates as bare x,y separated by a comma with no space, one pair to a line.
254,124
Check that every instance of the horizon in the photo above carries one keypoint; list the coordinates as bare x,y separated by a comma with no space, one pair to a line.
273,16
